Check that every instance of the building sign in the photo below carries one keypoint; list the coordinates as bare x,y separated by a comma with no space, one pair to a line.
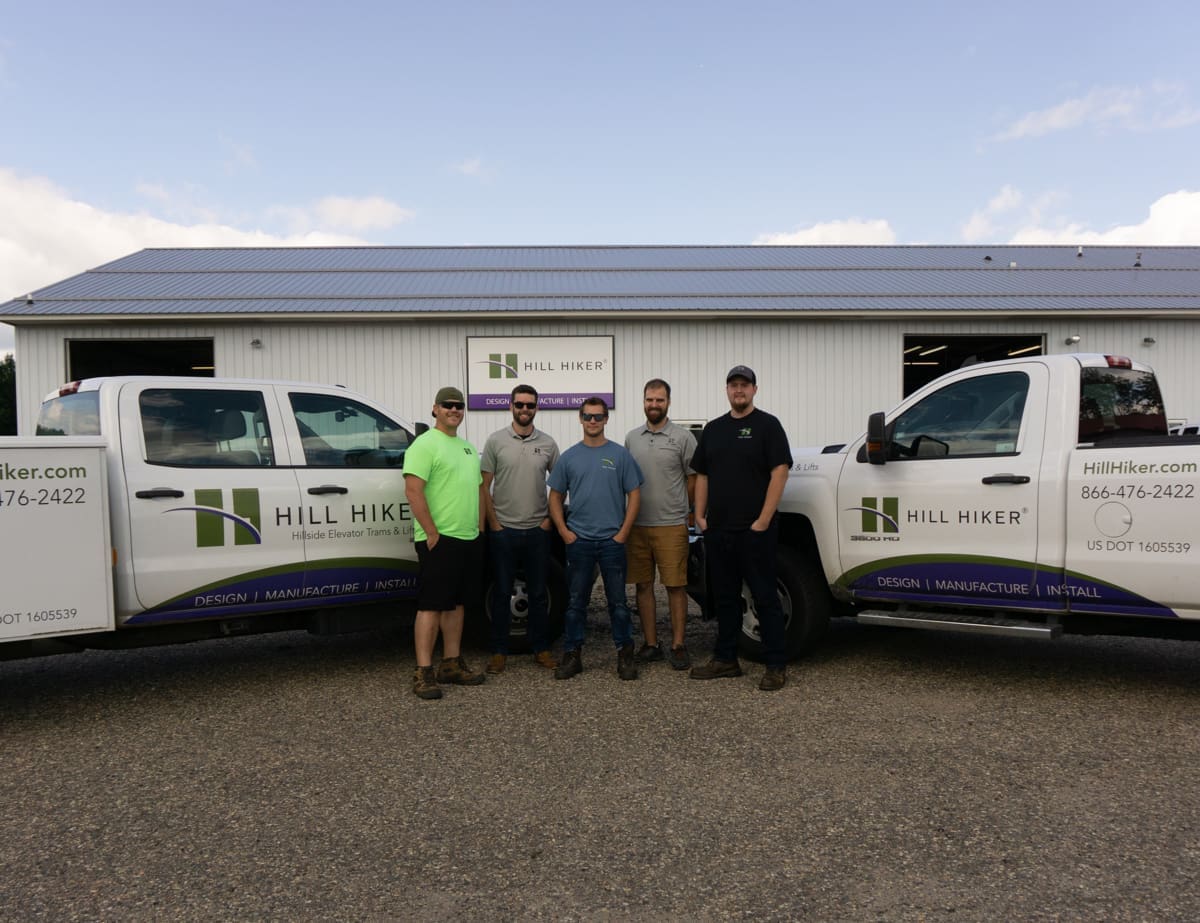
565,370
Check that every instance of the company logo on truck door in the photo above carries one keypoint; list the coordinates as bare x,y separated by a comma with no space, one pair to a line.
211,516
879,517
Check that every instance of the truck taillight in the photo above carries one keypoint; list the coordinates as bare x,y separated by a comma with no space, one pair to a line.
1118,362
70,387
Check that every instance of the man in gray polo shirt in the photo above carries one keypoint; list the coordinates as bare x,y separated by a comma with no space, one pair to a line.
515,463
660,534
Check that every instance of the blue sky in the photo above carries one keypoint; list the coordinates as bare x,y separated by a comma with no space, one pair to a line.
130,124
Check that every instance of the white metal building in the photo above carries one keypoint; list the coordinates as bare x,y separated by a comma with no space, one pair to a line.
833,332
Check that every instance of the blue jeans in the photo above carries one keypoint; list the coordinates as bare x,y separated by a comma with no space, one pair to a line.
582,557
734,557
526,550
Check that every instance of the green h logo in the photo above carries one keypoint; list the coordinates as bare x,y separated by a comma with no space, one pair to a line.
502,366
211,515
873,514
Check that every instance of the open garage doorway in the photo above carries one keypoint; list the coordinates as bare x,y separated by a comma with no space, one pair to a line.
926,356
94,358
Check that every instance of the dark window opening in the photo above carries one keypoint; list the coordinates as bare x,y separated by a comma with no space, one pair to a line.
929,356
96,358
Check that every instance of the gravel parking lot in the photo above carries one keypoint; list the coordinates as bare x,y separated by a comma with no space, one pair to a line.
900,776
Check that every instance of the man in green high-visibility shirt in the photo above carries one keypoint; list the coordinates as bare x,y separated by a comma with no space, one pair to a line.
444,488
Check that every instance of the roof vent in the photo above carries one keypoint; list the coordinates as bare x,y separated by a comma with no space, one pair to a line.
987,259
1012,264
1137,263
1079,251
29,298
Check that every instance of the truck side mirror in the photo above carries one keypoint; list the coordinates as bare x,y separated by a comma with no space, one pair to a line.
876,439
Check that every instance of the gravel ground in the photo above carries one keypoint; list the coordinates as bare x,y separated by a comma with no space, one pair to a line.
899,776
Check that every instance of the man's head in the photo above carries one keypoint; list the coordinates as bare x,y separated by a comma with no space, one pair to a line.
593,414
523,403
741,384
656,400
448,408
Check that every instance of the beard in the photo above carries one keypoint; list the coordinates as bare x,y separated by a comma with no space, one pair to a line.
655,414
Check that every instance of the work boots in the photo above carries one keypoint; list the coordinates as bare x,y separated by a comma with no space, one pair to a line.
456,672
627,663
425,684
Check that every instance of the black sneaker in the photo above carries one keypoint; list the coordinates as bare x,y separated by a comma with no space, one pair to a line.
680,658
774,679
570,665
648,653
716,669
626,664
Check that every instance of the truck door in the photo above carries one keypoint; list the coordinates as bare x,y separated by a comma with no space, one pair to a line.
206,478
358,529
952,515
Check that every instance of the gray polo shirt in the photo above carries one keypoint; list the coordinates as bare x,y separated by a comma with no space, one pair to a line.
519,467
665,458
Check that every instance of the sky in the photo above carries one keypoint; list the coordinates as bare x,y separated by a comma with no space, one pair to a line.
126,125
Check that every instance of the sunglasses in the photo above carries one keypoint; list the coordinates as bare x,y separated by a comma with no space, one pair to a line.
522,405
452,405
593,417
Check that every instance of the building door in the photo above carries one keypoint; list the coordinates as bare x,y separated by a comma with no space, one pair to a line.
929,356
165,356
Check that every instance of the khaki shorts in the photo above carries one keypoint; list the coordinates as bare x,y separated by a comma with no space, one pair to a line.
666,546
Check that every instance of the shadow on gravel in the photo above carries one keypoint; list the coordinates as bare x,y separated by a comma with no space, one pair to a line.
1100,661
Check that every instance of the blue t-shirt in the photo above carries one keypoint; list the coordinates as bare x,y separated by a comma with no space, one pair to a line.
597,478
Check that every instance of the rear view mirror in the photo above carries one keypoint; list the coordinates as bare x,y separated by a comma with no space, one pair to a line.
876,439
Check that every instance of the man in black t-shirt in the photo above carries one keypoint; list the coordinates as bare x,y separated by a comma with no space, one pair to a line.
742,463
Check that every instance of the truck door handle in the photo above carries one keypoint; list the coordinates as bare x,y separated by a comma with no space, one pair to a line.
328,489
1006,479
157,492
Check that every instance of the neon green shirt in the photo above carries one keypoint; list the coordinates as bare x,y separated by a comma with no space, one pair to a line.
449,466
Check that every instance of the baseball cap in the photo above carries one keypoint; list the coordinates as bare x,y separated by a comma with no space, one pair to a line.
449,393
741,371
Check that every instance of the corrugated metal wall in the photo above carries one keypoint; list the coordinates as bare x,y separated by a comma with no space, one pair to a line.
821,377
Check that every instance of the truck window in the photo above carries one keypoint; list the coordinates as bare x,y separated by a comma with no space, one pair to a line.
341,433
1119,403
201,428
75,414
971,417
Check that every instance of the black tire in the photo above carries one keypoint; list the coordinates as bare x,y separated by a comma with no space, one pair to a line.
518,629
806,603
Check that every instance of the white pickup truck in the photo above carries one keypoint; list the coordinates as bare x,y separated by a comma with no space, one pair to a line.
222,506
1031,497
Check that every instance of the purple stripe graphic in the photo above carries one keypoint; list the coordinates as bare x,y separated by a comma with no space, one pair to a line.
564,400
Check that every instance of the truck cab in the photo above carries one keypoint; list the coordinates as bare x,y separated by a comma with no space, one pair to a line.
231,498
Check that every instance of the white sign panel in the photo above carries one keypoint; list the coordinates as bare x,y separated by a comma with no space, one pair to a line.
565,370
55,551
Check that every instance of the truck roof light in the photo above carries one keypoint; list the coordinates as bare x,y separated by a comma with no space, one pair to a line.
70,387
1118,362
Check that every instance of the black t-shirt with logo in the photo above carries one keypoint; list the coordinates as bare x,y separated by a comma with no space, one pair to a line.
737,456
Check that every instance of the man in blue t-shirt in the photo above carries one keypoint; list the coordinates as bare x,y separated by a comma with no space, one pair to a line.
604,486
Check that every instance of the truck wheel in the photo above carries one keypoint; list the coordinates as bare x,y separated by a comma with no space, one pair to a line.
518,606
805,599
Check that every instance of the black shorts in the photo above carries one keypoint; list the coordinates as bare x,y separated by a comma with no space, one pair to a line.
448,573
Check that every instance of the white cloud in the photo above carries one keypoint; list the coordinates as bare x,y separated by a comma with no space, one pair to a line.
1161,106
370,214
240,156
47,235
472,166
846,231
1174,219
982,223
